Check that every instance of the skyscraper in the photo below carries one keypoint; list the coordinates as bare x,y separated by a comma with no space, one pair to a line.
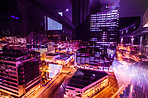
104,27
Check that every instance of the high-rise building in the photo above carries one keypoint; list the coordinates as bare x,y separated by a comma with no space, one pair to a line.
19,72
104,27
104,35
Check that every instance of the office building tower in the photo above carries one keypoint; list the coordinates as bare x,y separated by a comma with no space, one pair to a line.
104,27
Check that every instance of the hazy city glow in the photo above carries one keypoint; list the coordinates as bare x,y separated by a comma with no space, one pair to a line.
73,49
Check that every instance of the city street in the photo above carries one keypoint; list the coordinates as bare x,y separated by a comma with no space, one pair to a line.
140,82
110,90
56,87
136,70
55,83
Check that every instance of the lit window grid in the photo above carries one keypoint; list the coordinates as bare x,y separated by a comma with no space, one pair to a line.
104,20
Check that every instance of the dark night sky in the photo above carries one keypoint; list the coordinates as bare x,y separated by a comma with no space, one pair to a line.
129,8
60,5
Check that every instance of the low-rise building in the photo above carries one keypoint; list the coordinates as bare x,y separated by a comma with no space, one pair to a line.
86,83
61,58
94,58
64,59
53,70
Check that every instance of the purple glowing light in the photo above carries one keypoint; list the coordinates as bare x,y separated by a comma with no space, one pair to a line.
67,10
14,17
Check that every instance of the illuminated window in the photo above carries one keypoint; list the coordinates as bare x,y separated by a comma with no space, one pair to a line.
60,13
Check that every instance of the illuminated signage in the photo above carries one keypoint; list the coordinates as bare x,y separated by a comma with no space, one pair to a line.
51,24
54,70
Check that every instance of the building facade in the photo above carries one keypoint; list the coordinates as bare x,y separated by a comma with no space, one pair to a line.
93,58
19,72
104,27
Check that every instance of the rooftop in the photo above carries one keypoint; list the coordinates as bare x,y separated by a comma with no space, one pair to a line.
52,54
90,49
13,53
83,78
62,58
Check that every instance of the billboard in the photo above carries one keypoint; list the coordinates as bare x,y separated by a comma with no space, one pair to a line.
52,24
54,70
